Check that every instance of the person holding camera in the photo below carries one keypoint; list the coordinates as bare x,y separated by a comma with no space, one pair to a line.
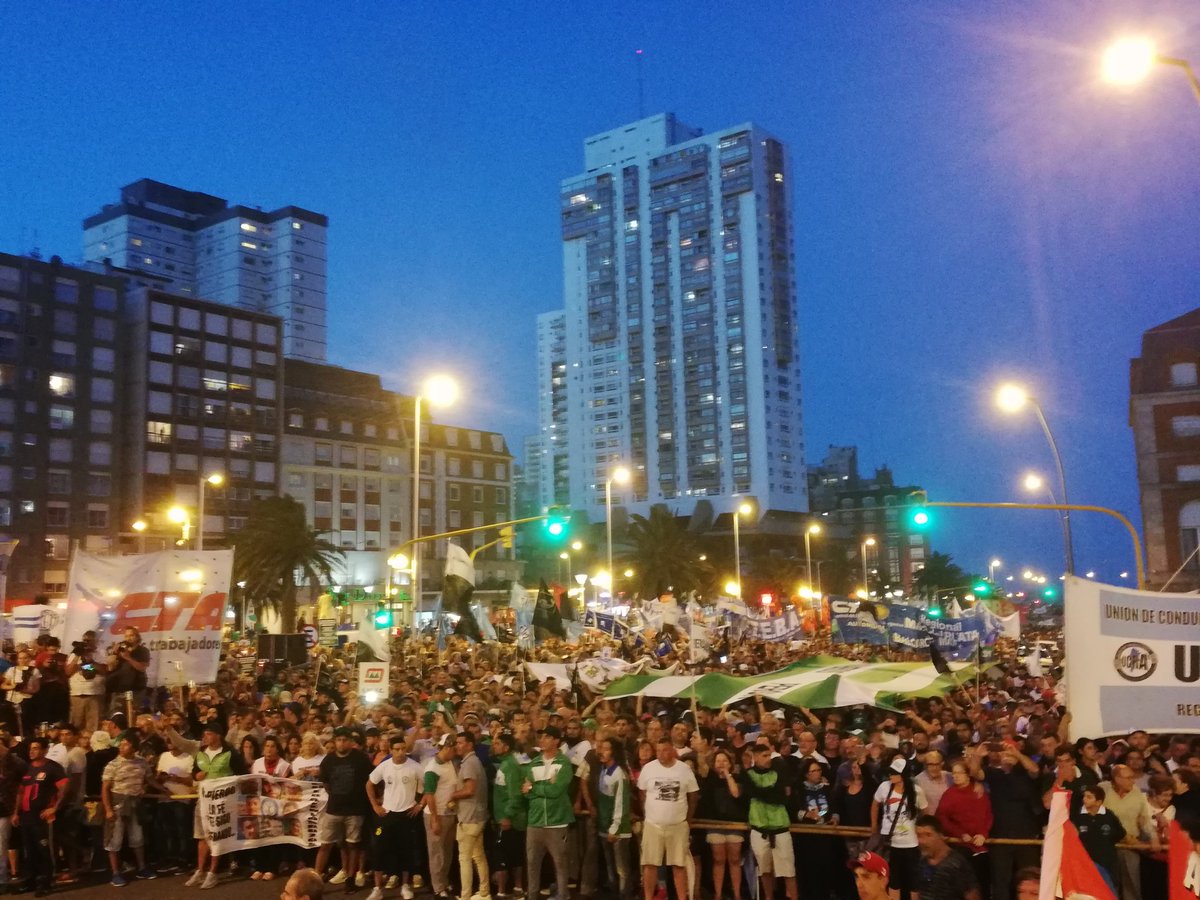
127,665
86,677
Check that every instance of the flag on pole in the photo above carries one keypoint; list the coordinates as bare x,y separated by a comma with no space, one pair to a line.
457,586
1067,869
439,625
546,619
522,605
1183,862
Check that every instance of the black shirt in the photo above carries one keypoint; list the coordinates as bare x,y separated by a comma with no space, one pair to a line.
39,786
345,779
125,677
12,770
1016,803
950,879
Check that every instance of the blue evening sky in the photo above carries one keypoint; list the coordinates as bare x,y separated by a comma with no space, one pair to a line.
970,201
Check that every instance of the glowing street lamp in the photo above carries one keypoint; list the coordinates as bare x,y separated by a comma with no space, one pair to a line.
1034,483
1129,61
179,516
993,565
1012,398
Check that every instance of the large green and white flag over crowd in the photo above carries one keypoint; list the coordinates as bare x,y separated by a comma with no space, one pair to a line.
817,682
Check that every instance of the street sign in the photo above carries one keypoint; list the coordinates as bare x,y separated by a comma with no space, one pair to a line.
327,632
310,636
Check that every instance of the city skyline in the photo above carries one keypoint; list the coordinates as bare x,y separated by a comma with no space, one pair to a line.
1028,221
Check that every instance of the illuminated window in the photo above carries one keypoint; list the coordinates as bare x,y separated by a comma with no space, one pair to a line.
62,385
577,199
246,226
137,242
296,226
250,245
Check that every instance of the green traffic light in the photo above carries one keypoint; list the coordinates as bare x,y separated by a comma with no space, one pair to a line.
555,528
981,588
1049,593
556,521
919,518
934,612
383,619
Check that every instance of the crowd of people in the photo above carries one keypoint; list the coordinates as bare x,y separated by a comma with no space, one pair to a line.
471,779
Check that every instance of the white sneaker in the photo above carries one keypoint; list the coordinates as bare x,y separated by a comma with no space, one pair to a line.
376,894
197,877
392,882
339,878
360,880
481,897
210,881
406,892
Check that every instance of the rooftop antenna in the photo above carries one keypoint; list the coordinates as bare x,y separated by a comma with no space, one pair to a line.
637,55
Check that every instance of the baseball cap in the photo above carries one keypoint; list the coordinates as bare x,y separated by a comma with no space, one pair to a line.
343,731
214,727
445,740
552,731
899,764
872,862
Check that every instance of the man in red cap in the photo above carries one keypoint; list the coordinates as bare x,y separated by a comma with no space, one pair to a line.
871,875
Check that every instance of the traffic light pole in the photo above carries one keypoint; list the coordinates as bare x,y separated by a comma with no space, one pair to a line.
1059,507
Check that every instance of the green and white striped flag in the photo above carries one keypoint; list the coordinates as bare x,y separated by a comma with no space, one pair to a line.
819,682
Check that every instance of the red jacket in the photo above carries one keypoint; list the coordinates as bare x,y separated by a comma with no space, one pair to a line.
962,811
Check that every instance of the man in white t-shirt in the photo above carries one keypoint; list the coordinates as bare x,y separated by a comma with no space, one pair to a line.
85,677
669,796
175,816
399,831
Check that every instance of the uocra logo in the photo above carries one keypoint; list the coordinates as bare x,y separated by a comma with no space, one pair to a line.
1135,661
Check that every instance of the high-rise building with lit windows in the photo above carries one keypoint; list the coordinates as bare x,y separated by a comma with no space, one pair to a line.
197,245
679,338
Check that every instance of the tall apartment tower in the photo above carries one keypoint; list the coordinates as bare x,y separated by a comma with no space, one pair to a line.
198,245
680,323
553,484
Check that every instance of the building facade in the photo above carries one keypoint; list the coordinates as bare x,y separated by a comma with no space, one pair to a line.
868,516
203,393
348,458
1164,413
271,262
62,362
679,344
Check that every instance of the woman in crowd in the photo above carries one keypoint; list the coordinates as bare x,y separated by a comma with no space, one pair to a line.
896,805
823,856
721,800
965,812
267,860
614,827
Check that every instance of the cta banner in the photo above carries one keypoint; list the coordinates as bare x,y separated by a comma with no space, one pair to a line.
249,811
856,623
176,599
1133,659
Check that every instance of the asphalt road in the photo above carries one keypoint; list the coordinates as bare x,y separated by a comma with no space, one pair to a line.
172,887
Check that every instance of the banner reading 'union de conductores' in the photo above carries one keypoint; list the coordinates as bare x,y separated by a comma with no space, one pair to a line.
1132,659
257,810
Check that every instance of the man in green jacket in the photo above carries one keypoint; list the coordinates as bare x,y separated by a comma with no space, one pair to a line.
509,813
547,788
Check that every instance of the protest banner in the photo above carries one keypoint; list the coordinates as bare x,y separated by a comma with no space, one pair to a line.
1134,659
32,621
852,624
175,598
373,676
248,811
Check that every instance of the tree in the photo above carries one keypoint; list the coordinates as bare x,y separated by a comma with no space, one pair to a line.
275,545
664,554
940,573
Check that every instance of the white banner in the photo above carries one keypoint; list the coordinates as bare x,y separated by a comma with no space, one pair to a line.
176,599
373,676
31,622
1133,659
257,810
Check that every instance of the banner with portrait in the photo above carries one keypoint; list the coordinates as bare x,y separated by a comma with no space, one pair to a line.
248,811
175,598
1133,659
856,622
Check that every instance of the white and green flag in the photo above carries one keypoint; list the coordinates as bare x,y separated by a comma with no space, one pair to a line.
817,682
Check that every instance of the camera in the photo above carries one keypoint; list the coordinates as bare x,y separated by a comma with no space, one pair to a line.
123,647
80,648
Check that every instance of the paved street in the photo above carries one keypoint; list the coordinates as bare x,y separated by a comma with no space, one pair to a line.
172,887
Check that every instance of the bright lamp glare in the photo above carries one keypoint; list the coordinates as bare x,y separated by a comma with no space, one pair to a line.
1033,482
1128,61
441,390
1011,397
620,475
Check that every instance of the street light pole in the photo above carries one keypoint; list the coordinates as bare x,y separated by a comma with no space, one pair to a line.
743,509
812,529
1012,398
216,479
416,506
993,565
621,476
868,542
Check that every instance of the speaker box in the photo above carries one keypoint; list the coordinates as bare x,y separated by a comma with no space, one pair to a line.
289,649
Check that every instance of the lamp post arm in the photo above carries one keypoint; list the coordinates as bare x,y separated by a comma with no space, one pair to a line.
1062,481
1187,70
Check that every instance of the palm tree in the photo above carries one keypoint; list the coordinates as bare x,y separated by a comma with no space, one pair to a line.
664,554
939,573
276,544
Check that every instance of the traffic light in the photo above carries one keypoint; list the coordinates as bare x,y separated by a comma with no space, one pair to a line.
981,588
556,521
383,617
934,611
1050,593
507,534
918,517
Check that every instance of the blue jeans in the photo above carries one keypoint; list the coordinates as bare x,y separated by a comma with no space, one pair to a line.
5,844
